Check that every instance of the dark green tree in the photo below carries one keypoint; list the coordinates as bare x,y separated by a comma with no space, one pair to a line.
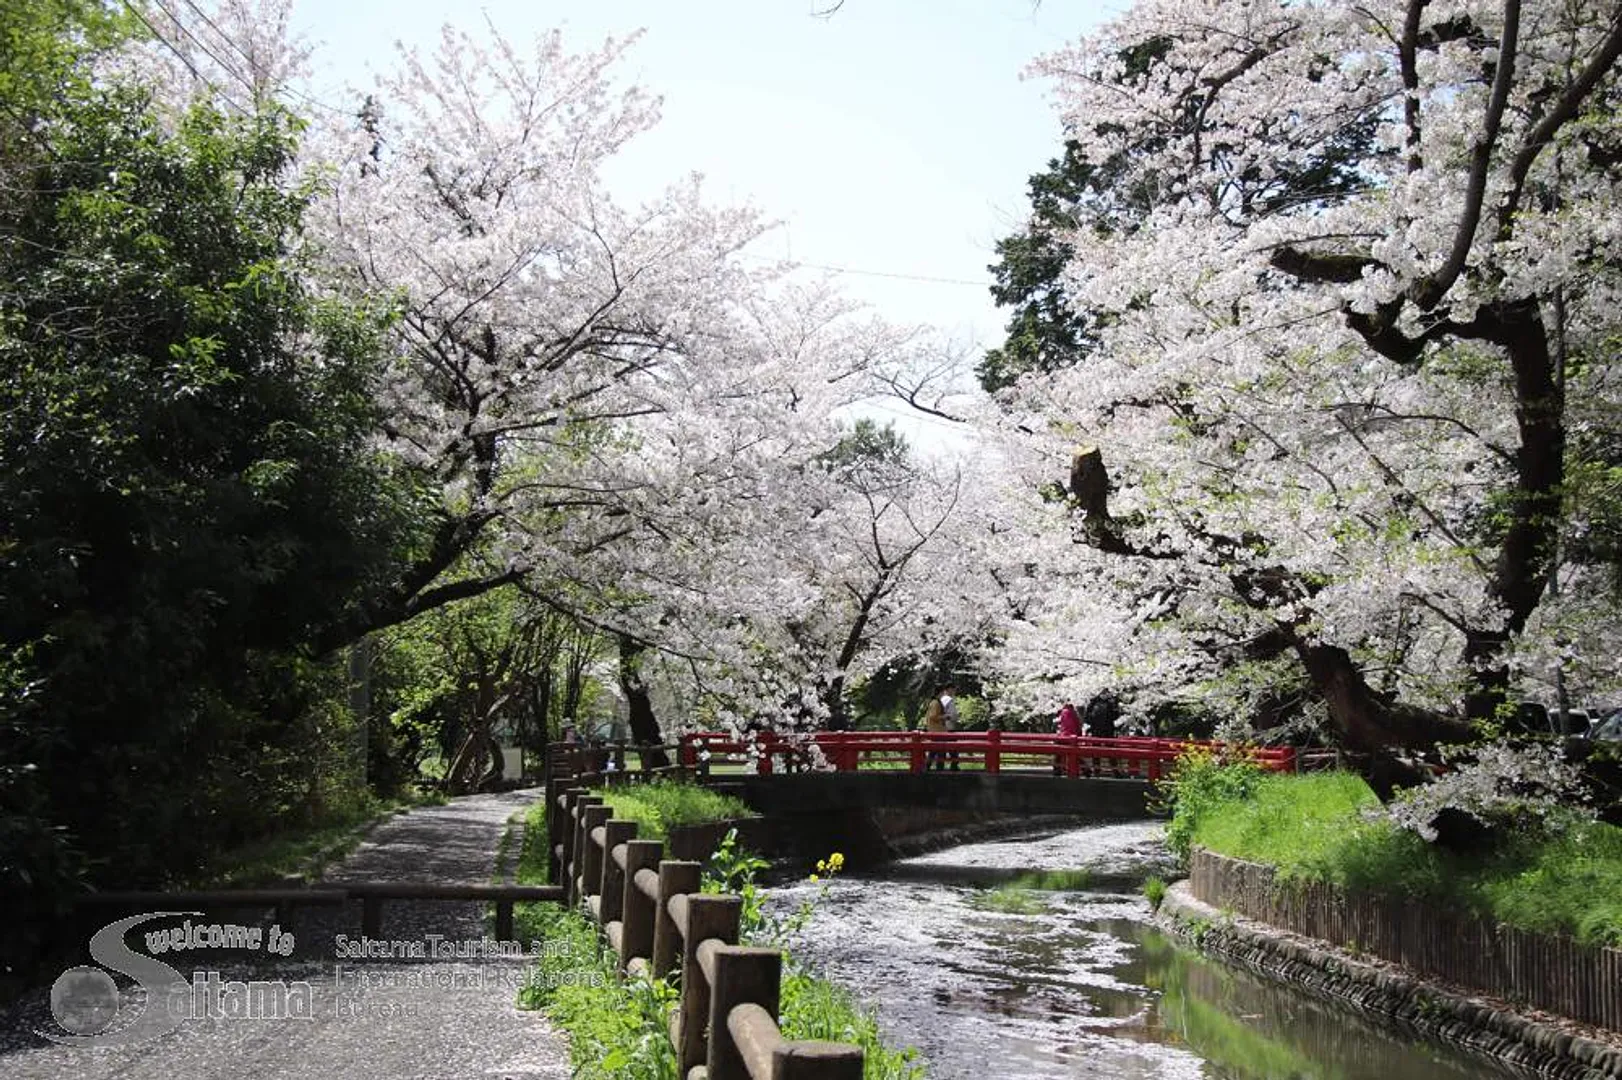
186,466
1045,333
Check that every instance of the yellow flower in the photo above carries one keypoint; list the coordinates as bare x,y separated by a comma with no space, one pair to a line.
821,866
813,877
836,861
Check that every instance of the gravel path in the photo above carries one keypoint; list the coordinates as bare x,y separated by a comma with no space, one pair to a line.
390,1019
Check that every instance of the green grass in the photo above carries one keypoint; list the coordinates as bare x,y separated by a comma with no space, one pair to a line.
814,1008
1009,900
1021,896
614,1027
1565,880
662,805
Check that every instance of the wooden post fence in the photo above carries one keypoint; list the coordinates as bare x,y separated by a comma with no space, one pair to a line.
657,922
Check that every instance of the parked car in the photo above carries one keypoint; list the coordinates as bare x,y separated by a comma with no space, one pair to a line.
1608,729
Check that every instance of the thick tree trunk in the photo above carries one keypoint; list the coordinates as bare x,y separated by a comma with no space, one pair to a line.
462,776
834,699
1526,552
1371,723
834,695
639,707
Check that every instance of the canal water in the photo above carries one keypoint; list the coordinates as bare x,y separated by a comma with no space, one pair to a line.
989,980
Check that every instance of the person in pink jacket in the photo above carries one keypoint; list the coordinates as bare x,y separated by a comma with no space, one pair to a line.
1069,726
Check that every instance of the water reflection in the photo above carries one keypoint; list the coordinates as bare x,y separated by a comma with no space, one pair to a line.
1077,983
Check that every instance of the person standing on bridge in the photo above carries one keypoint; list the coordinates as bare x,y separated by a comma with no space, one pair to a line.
933,723
949,707
1102,713
1068,725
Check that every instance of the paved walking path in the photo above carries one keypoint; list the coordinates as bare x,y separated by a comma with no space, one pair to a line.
392,1019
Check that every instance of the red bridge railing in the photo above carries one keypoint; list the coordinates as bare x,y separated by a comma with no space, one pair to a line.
980,751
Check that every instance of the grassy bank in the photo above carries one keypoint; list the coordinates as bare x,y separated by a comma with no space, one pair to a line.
616,1028
1564,879
661,806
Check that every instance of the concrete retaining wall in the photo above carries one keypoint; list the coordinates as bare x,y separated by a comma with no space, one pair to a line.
1387,994
1458,947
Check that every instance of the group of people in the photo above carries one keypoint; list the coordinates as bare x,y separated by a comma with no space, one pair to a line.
1099,722
941,715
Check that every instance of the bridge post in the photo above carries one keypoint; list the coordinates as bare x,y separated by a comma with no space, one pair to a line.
917,751
763,755
994,751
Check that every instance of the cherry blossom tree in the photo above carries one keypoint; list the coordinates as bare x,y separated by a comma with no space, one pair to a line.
602,404
1354,289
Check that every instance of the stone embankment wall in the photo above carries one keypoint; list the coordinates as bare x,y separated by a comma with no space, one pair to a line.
1543,971
1379,989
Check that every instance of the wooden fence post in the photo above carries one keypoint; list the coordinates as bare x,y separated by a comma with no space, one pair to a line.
371,916
612,886
994,751
559,818
675,879
577,844
707,916
591,852
743,976
636,906
817,1061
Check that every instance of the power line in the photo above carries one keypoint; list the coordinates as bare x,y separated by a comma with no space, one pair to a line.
212,25
246,82
254,67
182,57
249,84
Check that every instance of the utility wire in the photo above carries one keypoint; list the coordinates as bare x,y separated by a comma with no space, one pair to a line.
182,57
253,66
247,83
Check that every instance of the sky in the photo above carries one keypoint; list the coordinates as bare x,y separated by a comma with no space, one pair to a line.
891,140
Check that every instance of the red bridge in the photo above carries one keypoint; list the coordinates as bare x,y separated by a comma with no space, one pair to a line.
976,751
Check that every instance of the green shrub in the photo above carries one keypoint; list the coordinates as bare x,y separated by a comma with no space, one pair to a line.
814,1008
663,805
1155,890
1201,783
1009,899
